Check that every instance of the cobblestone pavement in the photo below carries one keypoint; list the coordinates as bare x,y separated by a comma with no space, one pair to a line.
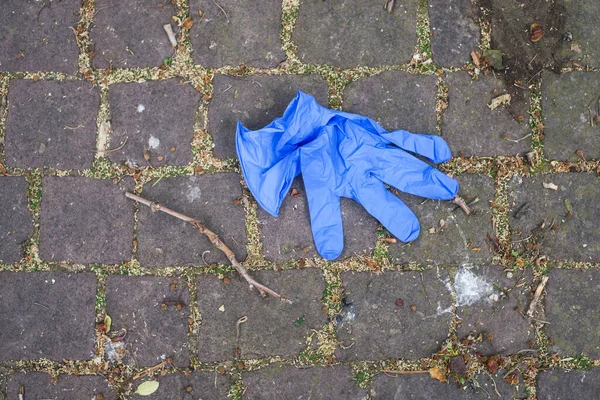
95,289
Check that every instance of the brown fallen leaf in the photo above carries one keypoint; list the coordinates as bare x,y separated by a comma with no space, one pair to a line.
3,170
295,192
436,373
512,379
390,240
535,32
500,100
187,23
476,58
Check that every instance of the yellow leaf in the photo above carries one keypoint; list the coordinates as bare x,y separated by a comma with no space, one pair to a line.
188,22
437,373
107,323
147,388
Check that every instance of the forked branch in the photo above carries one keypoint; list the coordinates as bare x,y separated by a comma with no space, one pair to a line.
215,240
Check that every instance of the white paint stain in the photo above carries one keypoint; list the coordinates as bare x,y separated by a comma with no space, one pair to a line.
140,108
193,194
470,288
153,142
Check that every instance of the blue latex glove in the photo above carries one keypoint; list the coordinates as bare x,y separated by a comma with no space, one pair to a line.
341,154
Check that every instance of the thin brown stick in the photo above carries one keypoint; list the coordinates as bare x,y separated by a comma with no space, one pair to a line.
215,240
536,296
389,371
150,370
459,201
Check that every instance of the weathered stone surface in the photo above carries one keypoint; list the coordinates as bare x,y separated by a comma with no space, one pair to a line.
154,311
323,383
575,237
16,223
423,387
394,98
455,31
38,385
289,236
488,300
118,38
235,33
572,309
47,315
471,128
559,384
255,101
581,23
51,124
201,385
383,38
154,118
565,101
38,37
85,220
273,328
463,239
165,240
377,328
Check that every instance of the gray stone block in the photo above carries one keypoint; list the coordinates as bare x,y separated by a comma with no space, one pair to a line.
273,328
154,118
51,124
154,311
575,237
471,128
234,33
39,385
396,100
378,321
290,237
581,23
47,315
463,239
559,384
16,224
455,31
568,128
201,385
255,101
383,38
165,240
85,220
572,309
323,383
491,302
35,36
130,34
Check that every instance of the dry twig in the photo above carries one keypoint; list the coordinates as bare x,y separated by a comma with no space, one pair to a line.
536,296
459,201
150,370
215,240
170,34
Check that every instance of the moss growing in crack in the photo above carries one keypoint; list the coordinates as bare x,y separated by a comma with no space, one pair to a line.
363,377
289,18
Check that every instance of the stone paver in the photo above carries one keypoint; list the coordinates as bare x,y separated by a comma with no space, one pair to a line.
580,22
233,33
85,220
378,321
455,31
51,124
488,303
290,237
558,384
394,98
39,385
422,387
365,34
575,237
154,311
471,128
165,240
198,385
16,223
323,383
565,101
154,118
255,101
34,37
573,312
47,315
273,328
463,240
130,34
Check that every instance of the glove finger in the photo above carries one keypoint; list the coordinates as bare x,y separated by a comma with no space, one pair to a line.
430,146
387,209
411,175
323,204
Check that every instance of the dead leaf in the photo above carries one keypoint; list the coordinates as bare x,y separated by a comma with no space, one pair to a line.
389,6
550,186
512,379
200,13
188,23
147,388
575,47
3,170
399,302
295,192
535,32
413,308
107,323
503,99
390,240
436,373
476,59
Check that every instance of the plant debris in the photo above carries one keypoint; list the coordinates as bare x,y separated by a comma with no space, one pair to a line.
550,186
503,99
535,32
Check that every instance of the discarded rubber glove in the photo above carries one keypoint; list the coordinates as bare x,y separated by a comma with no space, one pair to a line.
341,155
